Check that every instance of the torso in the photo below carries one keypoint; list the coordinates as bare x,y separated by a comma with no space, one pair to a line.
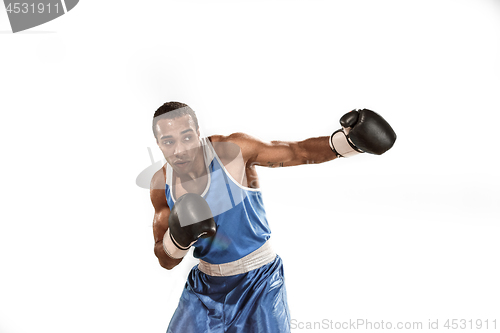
238,210
232,159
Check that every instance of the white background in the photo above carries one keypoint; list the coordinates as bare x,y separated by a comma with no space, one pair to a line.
411,235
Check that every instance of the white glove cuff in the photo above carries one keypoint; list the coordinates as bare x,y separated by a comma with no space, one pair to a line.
173,250
340,144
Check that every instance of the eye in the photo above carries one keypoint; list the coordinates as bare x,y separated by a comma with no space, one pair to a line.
167,142
188,138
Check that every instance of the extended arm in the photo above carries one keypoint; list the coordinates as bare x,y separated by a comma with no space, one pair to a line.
362,131
283,153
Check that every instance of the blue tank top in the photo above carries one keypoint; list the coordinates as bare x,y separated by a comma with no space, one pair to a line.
238,211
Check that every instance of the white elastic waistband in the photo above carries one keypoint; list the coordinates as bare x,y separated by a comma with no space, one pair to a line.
254,260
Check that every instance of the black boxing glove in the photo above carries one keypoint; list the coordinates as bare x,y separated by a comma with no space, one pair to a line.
363,131
189,220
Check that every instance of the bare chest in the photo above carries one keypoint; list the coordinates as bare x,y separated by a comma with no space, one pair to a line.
197,185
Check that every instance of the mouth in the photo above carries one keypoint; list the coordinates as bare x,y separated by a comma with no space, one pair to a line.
181,163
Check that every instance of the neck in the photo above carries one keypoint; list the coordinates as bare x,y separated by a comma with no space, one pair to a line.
197,171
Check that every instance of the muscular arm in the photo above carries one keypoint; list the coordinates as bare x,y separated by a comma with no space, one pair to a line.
160,221
282,153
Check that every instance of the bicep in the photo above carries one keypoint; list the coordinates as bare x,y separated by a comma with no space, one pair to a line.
271,154
160,224
159,201
278,154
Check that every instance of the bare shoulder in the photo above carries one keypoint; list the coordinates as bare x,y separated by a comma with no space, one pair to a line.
237,138
158,180
157,189
234,144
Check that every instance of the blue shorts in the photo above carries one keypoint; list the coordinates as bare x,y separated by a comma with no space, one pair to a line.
252,302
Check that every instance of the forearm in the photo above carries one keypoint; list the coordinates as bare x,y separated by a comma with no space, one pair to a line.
316,150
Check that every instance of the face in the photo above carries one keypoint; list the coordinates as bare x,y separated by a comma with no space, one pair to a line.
179,141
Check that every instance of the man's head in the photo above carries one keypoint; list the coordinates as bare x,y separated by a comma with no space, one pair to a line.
177,133
172,110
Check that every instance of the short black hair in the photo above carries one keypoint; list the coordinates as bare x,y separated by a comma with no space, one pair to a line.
171,110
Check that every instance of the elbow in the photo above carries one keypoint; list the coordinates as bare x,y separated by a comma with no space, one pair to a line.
165,261
305,157
167,266
299,155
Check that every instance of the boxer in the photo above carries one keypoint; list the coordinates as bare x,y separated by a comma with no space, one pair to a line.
207,196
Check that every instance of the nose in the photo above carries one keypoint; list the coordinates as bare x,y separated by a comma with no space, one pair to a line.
179,149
